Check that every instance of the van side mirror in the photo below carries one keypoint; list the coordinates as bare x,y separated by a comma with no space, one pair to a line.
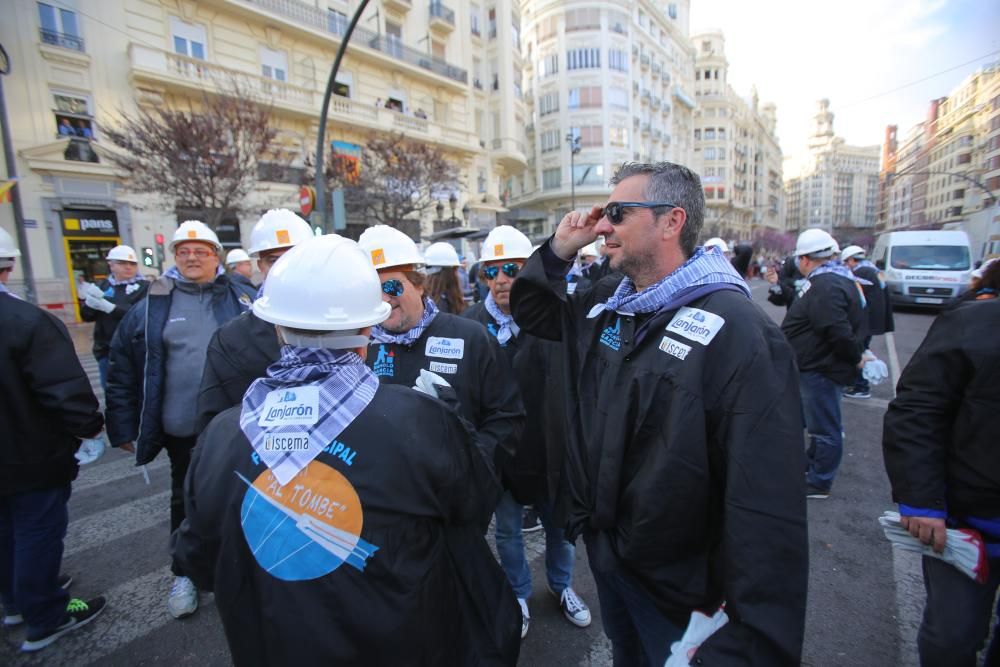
880,264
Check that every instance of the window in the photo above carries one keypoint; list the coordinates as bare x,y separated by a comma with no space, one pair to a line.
59,27
72,116
551,178
481,181
618,60
342,86
708,154
618,22
722,172
590,135
477,73
583,58
474,19
548,27
709,134
672,10
722,193
273,64
709,193
583,19
584,98
697,135
642,19
722,154
437,50
617,98
394,39
588,174
515,31
548,103
549,64
336,22
550,141
618,136
492,22
189,38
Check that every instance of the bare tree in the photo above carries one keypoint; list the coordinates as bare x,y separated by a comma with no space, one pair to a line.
202,158
394,182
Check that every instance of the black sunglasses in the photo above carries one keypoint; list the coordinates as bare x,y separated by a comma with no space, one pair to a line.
510,268
393,287
615,211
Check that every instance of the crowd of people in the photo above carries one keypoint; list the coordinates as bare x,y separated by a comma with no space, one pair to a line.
366,411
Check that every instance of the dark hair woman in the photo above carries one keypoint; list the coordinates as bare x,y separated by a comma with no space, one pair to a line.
443,287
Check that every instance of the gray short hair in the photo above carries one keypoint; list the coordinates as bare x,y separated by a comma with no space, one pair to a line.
674,183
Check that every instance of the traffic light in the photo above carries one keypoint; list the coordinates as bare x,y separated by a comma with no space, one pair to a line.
160,255
147,257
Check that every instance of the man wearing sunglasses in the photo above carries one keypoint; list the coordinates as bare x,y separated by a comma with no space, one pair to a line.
243,348
531,476
417,337
684,455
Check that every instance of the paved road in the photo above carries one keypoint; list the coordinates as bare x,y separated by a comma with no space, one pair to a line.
116,546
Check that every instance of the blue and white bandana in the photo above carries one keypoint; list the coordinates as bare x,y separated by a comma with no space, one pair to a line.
863,264
134,279
4,290
703,268
508,328
174,272
308,398
408,338
841,269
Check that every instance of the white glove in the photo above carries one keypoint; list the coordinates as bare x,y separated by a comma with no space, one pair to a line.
699,628
90,289
427,380
90,450
99,303
874,369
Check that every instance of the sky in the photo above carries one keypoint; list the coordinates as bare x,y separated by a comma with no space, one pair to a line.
860,54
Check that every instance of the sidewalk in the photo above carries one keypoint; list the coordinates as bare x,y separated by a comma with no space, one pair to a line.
82,334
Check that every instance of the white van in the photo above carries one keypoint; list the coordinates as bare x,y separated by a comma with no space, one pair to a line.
924,268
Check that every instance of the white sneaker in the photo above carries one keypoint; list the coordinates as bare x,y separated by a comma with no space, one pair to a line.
183,600
525,616
573,608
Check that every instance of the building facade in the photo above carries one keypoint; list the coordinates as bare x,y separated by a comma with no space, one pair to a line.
837,189
942,173
606,82
413,67
736,150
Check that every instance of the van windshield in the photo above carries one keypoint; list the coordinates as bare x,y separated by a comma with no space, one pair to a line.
931,257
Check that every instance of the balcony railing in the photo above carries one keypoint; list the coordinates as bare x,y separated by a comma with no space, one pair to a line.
442,13
61,39
318,19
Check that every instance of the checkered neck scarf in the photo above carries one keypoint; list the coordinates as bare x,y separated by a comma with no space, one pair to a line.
508,328
175,273
4,290
346,387
703,268
839,268
408,338
131,281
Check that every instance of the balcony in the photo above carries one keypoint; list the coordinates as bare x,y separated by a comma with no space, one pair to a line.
509,153
644,61
635,87
398,5
442,19
655,69
318,20
645,128
656,102
657,134
646,96
61,40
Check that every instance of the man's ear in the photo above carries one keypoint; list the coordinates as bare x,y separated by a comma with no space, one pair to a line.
674,223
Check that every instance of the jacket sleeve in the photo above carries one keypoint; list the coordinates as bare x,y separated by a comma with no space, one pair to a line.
59,384
123,395
765,550
538,296
214,395
502,420
195,544
918,423
828,318
786,285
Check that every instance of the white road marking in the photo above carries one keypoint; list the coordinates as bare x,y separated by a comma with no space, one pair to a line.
910,597
111,524
114,471
894,370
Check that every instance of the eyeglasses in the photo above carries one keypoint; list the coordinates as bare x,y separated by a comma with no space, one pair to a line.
270,260
510,268
393,287
200,254
615,211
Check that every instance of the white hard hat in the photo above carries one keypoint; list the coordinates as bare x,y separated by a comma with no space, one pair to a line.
589,250
8,248
387,247
325,283
122,253
441,254
505,242
236,256
278,228
851,251
816,242
195,230
717,242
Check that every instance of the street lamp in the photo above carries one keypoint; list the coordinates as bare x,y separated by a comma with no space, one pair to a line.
574,147
452,221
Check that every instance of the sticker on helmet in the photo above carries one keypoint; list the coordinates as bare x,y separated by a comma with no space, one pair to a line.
192,234
497,249
378,256
282,236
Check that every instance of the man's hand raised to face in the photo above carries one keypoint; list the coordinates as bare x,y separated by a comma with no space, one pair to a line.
575,231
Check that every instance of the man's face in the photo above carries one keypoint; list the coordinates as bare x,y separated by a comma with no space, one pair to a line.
197,261
631,246
123,270
267,258
851,262
501,284
587,260
243,268
407,308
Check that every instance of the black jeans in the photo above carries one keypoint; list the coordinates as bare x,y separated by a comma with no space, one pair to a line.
957,616
179,451
32,529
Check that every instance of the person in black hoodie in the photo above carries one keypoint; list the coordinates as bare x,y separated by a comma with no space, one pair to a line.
48,407
742,254
339,520
826,326
784,283
107,302
877,305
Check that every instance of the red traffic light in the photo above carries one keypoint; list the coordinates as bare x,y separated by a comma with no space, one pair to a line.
159,238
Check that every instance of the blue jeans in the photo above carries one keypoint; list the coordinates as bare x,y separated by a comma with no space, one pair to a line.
639,632
957,616
821,408
510,547
102,368
32,528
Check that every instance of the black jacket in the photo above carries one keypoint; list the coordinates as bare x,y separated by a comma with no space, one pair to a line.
239,353
470,360
684,457
534,472
138,361
405,477
940,435
826,326
789,279
106,323
47,402
877,302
